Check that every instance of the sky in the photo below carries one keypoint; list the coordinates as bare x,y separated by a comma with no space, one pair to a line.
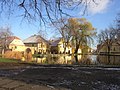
101,16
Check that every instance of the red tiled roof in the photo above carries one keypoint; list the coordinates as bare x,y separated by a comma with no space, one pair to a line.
9,39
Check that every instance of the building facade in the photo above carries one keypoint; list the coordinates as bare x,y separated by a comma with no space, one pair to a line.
59,46
12,43
114,48
16,44
37,44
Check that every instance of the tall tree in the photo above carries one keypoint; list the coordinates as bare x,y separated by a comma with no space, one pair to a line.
82,32
63,29
107,37
79,30
118,26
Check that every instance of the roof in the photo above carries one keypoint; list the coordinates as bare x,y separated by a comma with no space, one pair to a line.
99,46
55,42
8,40
11,38
35,39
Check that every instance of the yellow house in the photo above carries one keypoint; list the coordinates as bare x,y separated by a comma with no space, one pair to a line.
15,44
114,48
58,46
37,44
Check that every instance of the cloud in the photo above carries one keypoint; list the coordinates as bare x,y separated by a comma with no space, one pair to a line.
100,6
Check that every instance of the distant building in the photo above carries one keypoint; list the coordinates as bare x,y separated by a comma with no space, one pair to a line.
114,48
58,46
37,44
16,44
13,43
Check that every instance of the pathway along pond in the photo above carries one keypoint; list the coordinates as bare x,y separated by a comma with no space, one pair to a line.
71,77
79,59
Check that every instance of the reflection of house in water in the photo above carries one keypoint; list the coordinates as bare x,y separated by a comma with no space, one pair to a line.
58,46
64,59
40,60
106,60
114,48
37,44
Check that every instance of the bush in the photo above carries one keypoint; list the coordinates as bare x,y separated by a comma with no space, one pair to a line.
28,56
13,55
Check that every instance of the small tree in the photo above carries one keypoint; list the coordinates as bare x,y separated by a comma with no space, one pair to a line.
4,34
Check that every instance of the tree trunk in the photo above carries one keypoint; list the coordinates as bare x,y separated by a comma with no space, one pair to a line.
76,59
76,50
3,51
108,50
64,49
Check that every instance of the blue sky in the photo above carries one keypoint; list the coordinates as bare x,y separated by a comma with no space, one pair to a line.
101,16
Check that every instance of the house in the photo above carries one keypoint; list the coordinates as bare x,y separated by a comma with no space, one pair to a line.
13,43
37,44
114,48
16,44
58,46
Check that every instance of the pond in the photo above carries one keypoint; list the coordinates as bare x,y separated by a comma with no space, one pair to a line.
79,59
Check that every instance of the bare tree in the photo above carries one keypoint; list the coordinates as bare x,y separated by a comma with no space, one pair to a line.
107,37
4,34
63,29
118,26
43,10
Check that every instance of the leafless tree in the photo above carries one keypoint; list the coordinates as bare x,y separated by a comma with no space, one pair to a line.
43,10
107,37
64,30
5,32
118,26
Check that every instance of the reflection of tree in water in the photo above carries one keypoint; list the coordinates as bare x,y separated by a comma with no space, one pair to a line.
84,59
108,60
51,59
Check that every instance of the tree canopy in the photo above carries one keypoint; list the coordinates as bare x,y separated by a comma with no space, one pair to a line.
78,30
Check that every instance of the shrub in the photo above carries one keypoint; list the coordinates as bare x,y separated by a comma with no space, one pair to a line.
13,55
28,56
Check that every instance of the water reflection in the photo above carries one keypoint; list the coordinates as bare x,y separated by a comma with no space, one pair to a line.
79,59
112,60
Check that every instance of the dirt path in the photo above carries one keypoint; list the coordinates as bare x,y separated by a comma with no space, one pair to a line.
69,77
9,84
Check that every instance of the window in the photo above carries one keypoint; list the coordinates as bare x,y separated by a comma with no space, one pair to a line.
114,49
15,47
32,45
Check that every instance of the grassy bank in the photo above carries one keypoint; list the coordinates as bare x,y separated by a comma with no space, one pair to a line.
5,60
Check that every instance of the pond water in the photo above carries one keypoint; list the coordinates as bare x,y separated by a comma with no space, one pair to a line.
79,59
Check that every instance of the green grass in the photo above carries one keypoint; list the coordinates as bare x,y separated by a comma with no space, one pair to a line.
5,60
38,55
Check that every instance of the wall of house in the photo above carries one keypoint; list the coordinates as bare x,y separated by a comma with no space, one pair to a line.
115,48
61,48
40,48
17,45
